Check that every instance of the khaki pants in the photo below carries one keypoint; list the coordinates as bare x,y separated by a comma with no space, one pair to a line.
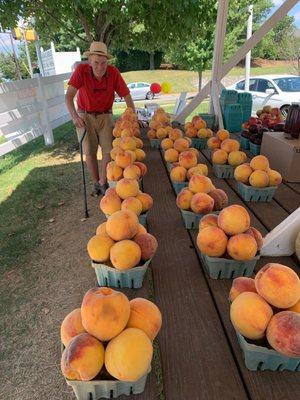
99,133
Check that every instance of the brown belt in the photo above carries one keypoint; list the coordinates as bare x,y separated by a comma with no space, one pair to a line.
95,113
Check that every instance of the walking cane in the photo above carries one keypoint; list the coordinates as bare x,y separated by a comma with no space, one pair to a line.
83,175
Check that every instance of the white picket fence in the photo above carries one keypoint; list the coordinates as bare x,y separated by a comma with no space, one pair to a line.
30,108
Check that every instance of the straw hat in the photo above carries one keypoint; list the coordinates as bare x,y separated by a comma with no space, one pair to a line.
98,48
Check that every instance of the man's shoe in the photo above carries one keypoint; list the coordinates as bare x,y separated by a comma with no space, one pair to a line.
96,189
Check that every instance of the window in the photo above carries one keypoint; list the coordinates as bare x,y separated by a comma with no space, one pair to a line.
131,85
140,85
289,84
240,85
252,85
263,85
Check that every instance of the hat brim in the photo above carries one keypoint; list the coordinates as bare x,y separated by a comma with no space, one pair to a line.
98,53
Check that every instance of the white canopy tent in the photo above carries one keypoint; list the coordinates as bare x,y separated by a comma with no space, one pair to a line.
219,70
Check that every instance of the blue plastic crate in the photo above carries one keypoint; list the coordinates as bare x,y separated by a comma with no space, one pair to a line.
223,268
259,358
178,186
223,171
106,389
254,149
245,143
250,193
199,143
110,276
155,143
143,219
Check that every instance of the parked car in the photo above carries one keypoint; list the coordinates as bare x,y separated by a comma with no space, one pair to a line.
138,91
274,90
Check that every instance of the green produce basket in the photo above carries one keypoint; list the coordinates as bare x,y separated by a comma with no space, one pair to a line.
245,143
250,193
191,219
224,268
178,186
143,218
259,358
223,171
169,166
210,120
228,96
155,143
254,149
97,389
199,143
130,278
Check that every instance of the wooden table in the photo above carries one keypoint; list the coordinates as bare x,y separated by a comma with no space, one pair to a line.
199,356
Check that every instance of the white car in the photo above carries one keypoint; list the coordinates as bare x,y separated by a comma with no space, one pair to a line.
138,91
274,90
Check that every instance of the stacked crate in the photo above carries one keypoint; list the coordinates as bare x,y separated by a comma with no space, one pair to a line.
236,109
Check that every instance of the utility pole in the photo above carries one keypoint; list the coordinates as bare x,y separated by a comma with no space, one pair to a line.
15,55
248,55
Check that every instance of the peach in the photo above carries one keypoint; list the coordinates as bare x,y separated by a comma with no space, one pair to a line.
142,167
146,316
213,143
242,173
259,179
127,132
234,219
202,133
220,199
132,172
140,154
250,315
116,132
128,356
167,144
139,143
184,198
133,204
124,159
230,145
200,184
146,200
240,285
283,333
208,220
236,158
141,229
109,204
222,134
202,203
111,191
83,358
101,229
71,326
187,159
161,133
116,142
147,243
175,134
104,312
212,241
125,254
260,163
181,144
219,157
178,174
209,133
151,134
199,169
200,124
275,178
195,151
122,225
257,236
133,155
191,132
171,155
127,188
295,307
127,143
278,284
114,173
242,247
99,247
115,151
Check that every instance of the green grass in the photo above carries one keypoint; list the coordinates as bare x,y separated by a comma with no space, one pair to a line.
2,139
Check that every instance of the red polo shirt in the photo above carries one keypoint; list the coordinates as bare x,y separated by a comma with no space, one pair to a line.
94,95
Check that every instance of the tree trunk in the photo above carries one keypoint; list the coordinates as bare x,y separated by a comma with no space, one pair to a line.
199,80
151,61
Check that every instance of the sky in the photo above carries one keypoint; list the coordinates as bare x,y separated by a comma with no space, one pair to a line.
5,44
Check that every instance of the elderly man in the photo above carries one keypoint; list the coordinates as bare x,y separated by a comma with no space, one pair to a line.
96,83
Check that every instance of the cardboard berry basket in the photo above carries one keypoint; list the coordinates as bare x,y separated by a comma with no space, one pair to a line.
223,171
199,143
250,193
191,219
155,143
178,186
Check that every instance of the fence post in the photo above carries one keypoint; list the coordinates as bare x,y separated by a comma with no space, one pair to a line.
48,133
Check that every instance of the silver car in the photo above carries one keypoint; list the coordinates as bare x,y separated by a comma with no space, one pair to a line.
138,91
272,90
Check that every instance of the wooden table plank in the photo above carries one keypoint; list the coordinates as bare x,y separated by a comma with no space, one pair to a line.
196,359
287,198
294,186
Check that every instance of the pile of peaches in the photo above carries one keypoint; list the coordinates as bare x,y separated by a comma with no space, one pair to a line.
159,125
111,335
197,128
229,235
258,173
268,307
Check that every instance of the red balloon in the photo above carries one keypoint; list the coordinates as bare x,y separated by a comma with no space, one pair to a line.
155,88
